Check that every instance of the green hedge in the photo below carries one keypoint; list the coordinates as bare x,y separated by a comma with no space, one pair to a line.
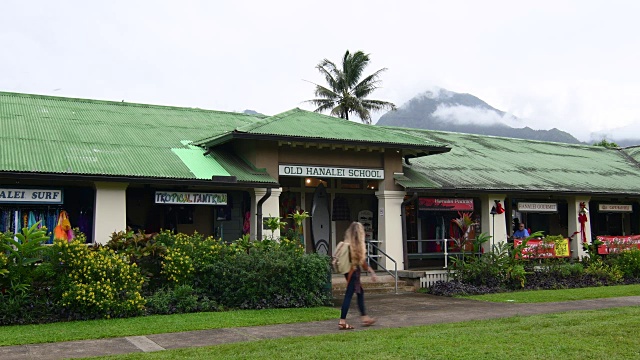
136,274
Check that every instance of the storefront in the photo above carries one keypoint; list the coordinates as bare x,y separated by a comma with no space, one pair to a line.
218,213
550,217
25,205
432,231
614,219
334,196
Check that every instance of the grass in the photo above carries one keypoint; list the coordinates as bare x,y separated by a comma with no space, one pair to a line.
561,295
596,334
146,325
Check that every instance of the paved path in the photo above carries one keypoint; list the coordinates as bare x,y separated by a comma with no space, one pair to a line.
390,310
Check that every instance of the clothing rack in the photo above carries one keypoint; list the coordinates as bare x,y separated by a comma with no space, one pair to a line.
13,217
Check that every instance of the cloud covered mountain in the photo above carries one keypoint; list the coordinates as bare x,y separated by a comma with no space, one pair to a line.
445,110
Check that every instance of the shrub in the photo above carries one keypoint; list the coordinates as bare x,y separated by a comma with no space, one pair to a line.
144,251
457,288
269,274
181,299
98,283
604,273
628,262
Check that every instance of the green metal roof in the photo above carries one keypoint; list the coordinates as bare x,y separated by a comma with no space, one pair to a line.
633,152
47,134
479,162
302,125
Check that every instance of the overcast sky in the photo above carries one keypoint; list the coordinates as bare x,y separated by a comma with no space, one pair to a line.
566,64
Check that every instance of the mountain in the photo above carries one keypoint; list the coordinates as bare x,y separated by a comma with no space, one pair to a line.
450,111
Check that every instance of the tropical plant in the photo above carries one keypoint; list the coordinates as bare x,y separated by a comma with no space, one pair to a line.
298,218
274,223
23,251
465,224
346,91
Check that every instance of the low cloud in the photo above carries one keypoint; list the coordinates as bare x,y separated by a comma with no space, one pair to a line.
627,132
461,114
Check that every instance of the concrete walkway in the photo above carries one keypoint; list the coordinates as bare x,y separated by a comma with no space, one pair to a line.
391,311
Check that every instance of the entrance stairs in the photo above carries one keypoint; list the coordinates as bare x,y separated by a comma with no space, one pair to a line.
385,285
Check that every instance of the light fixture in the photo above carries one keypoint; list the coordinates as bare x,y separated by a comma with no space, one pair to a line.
308,181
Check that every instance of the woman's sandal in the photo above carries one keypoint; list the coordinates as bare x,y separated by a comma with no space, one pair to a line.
368,322
345,326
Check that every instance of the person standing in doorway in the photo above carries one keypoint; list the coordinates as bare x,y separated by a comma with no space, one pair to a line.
354,237
522,232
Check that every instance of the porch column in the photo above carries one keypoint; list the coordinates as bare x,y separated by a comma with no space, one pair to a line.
493,225
575,244
270,208
390,226
110,210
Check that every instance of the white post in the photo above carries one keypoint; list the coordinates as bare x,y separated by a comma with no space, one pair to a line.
110,210
390,226
493,225
577,252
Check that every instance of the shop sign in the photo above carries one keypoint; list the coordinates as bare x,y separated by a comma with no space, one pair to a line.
331,172
444,204
615,208
30,196
539,249
193,198
537,207
615,244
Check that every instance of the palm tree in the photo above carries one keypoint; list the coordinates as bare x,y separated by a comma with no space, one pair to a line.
346,93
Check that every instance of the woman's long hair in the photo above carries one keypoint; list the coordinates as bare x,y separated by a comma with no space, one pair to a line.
354,236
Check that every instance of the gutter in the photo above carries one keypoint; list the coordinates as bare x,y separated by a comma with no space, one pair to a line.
259,214
404,229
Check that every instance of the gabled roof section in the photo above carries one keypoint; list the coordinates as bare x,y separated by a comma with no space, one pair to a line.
488,163
633,152
305,126
47,134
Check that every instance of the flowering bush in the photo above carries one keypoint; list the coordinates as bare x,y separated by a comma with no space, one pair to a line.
177,262
98,283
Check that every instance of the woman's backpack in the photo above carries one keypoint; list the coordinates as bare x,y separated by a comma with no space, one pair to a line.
342,258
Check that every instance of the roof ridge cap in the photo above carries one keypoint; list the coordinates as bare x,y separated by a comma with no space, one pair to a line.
122,103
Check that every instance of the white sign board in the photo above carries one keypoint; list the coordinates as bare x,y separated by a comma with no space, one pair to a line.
30,196
331,172
190,198
615,208
537,207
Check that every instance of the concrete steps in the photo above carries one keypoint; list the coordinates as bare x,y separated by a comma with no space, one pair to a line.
384,285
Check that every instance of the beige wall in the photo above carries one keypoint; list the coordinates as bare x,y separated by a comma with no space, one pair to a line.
325,156
110,210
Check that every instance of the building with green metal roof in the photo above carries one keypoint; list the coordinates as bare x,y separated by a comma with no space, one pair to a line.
118,165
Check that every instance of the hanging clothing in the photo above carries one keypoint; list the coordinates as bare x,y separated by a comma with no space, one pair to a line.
32,219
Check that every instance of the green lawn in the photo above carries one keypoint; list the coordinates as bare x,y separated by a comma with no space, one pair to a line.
145,325
598,334
561,295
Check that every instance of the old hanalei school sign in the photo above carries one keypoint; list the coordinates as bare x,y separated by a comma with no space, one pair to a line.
331,172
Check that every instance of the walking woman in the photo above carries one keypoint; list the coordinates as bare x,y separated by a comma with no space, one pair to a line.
354,238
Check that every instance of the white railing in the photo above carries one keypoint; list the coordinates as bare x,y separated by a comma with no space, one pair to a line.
433,276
